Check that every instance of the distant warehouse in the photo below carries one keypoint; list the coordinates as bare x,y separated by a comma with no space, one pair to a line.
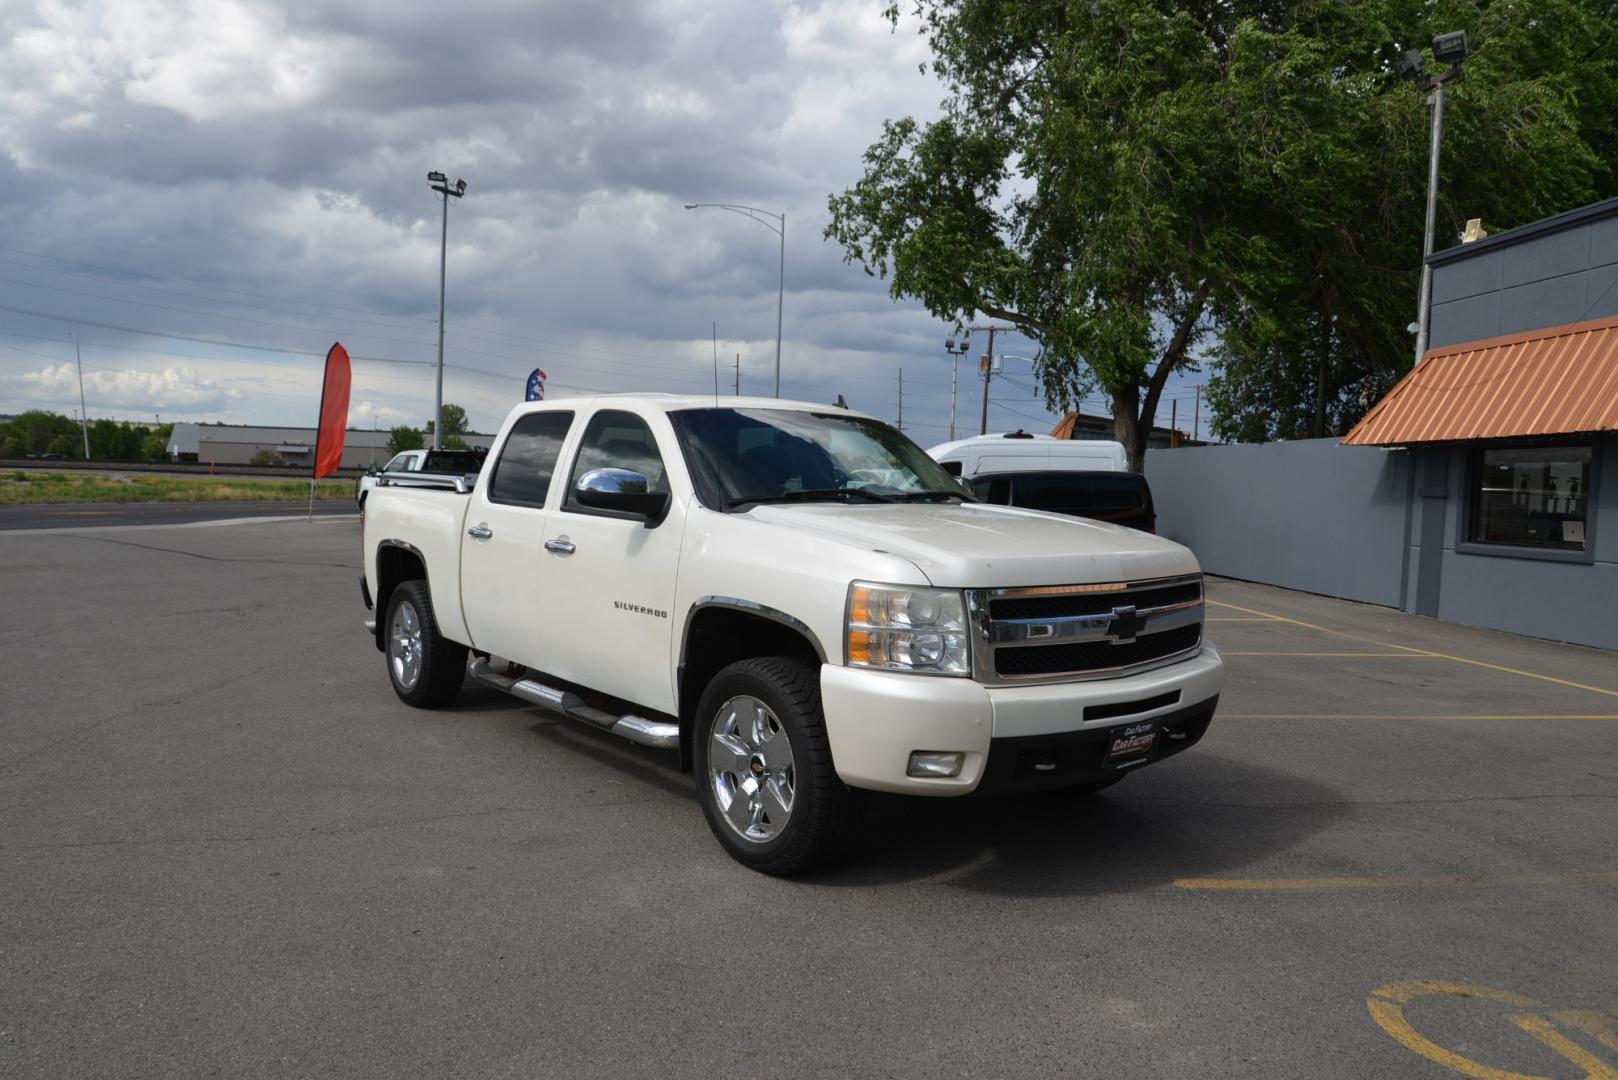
240,444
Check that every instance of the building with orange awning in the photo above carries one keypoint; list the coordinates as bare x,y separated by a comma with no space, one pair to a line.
1511,424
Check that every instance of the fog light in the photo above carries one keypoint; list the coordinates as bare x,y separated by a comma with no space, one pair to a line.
935,763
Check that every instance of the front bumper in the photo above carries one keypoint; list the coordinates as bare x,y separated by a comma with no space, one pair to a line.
875,719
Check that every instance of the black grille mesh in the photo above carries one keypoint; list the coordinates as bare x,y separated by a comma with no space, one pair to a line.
1056,607
1014,661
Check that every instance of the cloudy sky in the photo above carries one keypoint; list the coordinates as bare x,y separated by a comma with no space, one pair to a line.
209,192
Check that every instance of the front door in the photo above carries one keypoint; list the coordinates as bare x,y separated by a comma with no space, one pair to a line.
502,553
609,578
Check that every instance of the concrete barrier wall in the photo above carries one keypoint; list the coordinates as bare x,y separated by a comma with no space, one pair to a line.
1310,515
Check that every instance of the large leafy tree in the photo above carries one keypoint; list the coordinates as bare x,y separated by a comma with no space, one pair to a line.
1144,185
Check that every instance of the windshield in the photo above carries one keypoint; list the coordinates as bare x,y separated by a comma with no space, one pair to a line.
744,456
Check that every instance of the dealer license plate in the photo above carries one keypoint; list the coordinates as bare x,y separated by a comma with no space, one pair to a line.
1132,744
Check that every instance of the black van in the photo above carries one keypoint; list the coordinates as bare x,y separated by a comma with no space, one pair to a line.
1123,498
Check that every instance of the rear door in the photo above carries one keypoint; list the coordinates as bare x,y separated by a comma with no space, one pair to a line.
502,553
608,594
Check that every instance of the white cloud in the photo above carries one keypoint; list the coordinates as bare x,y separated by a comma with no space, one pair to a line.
279,151
133,389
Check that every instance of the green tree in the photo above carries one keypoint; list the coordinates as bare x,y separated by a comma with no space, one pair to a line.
154,448
454,422
264,457
61,445
454,442
401,439
1141,184
11,447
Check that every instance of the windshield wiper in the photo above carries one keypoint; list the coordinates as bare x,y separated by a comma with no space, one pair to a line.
812,495
934,496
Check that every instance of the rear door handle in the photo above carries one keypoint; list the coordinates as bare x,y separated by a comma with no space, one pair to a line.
561,547
480,532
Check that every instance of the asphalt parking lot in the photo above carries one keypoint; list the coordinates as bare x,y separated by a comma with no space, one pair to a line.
227,849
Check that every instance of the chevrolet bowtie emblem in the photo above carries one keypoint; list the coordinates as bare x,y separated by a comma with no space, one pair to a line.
1124,626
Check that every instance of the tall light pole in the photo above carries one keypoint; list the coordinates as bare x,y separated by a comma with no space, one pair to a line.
1451,49
955,352
440,183
780,229
84,414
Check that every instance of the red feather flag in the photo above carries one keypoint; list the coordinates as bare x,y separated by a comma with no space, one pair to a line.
333,413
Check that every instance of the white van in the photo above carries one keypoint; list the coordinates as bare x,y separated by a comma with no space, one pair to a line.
1019,451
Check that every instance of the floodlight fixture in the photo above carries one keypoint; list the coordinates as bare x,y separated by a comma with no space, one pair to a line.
1451,48
1411,65
436,178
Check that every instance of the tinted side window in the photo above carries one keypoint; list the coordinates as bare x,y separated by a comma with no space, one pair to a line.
993,489
528,460
952,467
1119,491
618,440
1063,494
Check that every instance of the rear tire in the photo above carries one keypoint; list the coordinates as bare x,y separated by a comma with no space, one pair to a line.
425,668
763,767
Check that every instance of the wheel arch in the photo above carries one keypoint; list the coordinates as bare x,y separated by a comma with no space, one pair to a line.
396,562
719,631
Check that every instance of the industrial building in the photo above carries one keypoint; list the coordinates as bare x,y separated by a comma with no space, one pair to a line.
238,444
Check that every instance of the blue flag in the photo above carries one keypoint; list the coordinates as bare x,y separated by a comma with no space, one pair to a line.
536,386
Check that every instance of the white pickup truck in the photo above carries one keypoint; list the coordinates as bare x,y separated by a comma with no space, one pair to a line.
797,599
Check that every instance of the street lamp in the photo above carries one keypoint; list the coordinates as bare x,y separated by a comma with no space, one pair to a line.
753,213
956,352
440,183
1451,49
84,414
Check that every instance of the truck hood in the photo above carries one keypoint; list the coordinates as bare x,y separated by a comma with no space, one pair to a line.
977,545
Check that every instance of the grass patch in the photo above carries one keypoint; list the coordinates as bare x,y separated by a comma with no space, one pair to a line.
20,488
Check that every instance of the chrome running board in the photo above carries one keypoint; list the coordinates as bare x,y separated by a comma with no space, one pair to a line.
636,729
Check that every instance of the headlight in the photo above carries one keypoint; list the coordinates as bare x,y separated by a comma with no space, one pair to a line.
897,628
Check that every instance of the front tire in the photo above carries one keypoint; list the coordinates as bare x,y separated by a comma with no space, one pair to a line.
763,767
425,668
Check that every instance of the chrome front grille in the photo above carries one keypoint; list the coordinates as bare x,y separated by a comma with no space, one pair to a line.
1064,632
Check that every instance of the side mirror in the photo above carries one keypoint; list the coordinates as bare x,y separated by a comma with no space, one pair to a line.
373,471
621,491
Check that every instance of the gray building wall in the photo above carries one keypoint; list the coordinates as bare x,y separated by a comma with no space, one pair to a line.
1310,515
1554,272
1564,601
1390,527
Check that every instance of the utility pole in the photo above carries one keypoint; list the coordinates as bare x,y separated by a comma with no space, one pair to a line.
901,399
1174,421
84,414
955,353
986,367
1196,416
440,183
738,374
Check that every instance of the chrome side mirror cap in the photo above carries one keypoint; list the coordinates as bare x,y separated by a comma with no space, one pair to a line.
621,491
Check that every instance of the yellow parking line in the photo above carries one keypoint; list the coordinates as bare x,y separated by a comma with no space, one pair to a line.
1428,652
1418,716
1400,655
1441,881
1269,616
1239,618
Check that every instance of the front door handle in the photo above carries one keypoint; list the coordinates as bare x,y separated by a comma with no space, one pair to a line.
480,532
561,547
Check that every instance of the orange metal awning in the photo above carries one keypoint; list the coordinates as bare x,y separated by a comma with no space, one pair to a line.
1560,381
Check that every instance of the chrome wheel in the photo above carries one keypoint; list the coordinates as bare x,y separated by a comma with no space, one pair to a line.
404,646
750,769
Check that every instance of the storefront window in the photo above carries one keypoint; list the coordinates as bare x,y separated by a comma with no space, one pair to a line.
1532,496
